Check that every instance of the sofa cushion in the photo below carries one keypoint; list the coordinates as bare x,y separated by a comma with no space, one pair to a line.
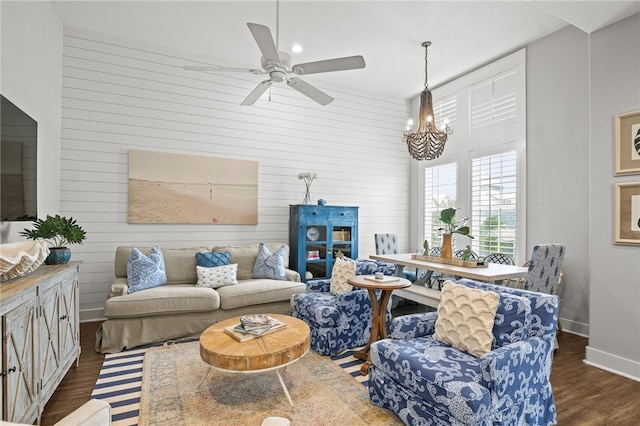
245,256
269,265
180,263
213,259
218,276
164,300
465,318
145,271
257,291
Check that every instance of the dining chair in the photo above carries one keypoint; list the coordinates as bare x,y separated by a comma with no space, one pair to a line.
545,271
435,276
441,278
388,244
499,258
460,253
545,267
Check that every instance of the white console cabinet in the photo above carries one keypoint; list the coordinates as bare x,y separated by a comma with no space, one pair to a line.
40,338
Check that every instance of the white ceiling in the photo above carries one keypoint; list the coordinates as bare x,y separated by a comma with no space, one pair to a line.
464,34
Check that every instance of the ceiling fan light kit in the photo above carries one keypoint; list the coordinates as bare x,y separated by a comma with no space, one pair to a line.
277,65
427,142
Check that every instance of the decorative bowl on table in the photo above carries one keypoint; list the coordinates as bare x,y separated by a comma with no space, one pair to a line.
18,259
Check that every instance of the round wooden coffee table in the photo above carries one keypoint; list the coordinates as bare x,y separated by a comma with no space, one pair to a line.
272,351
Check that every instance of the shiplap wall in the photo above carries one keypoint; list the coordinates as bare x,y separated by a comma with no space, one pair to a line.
120,94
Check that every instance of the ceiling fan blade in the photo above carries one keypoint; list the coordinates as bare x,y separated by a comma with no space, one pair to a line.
217,68
308,90
337,64
256,93
264,39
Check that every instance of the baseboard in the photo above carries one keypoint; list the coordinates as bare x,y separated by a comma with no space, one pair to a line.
613,363
88,315
574,327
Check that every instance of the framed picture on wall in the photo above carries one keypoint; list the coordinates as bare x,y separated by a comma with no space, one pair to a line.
627,213
627,143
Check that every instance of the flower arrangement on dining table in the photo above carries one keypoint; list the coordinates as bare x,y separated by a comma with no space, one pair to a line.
308,178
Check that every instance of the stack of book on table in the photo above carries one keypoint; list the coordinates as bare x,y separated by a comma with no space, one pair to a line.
252,326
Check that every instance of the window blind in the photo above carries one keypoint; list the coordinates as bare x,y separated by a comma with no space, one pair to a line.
440,192
493,203
494,100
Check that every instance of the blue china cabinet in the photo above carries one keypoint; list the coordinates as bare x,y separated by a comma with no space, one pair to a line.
317,233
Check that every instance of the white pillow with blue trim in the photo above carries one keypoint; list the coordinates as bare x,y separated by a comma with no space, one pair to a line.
218,276
269,265
145,271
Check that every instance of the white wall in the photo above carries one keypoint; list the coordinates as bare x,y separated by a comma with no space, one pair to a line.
614,308
558,161
120,94
31,58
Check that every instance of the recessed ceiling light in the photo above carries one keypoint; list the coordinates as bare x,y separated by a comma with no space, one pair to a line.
296,48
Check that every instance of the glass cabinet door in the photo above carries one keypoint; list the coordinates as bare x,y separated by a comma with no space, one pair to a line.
315,251
341,239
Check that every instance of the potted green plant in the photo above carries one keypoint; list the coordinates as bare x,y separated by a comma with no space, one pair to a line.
452,226
59,232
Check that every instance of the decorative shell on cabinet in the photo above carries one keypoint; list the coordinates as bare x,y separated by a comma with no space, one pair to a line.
18,259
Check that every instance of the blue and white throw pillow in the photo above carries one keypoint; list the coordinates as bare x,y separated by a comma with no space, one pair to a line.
213,259
269,265
218,276
145,271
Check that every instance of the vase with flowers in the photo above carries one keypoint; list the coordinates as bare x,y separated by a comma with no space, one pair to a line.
308,178
452,226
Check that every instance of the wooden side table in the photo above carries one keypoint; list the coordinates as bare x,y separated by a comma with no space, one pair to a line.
378,310
272,351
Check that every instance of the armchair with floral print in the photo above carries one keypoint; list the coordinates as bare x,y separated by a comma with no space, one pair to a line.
426,381
339,321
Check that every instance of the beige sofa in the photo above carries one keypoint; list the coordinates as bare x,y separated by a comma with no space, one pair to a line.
180,309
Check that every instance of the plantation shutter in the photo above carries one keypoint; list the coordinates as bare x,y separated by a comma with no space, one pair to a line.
493,203
440,192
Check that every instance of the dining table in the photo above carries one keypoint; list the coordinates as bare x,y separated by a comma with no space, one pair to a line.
422,293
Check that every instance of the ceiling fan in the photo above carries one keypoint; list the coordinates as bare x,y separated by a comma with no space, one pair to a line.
277,65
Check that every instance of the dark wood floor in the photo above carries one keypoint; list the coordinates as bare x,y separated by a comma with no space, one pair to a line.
585,395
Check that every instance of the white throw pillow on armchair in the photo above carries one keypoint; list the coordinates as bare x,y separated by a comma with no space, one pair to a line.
343,269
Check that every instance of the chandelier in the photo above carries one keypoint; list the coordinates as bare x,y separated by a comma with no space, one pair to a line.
427,142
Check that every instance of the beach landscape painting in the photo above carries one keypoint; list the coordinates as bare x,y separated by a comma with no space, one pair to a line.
190,189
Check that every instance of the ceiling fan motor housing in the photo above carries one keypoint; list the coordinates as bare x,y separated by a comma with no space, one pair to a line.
277,72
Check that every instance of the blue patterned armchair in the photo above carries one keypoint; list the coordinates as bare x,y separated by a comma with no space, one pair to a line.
428,382
342,321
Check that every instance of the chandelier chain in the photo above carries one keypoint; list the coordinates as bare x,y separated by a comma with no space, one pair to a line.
426,68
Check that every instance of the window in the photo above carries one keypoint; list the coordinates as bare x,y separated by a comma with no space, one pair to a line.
440,192
493,203
482,171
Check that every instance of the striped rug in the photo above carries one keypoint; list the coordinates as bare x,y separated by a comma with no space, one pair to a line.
120,381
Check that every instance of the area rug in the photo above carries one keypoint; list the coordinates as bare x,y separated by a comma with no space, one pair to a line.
120,380
323,394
